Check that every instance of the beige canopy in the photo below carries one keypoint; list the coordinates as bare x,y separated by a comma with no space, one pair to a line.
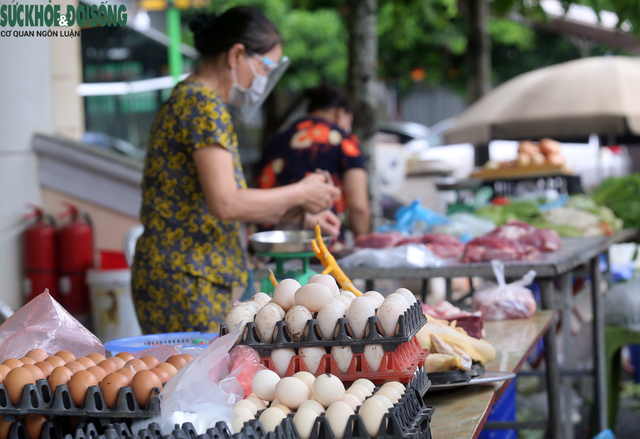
598,95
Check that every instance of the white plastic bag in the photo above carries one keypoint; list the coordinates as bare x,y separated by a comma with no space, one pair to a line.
204,391
622,305
43,323
504,301
403,256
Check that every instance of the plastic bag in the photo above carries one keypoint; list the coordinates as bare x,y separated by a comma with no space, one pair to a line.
622,305
204,391
414,219
403,256
43,323
466,226
503,301
248,360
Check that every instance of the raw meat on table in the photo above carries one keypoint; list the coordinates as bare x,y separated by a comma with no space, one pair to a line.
379,240
442,245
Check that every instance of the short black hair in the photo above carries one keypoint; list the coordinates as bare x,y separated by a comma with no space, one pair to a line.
326,97
214,35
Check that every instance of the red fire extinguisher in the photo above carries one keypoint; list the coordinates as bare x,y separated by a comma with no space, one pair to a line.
39,242
75,257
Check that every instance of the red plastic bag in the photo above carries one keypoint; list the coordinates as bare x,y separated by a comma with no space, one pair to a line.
43,323
249,359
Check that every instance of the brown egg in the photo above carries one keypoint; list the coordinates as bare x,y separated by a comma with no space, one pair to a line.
66,356
35,371
15,382
33,424
169,368
142,385
110,386
161,374
177,361
45,367
187,357
126,356
4,428
96,357
137,365
12,363
59,375
127,373
55,361
4,370
78,385
97,372
119,362
150,361
108,366
27,360
75,366
86,362
37,354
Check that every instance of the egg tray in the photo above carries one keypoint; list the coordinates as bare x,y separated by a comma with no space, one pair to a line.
408,326
456,376
82,430
39,399
398,365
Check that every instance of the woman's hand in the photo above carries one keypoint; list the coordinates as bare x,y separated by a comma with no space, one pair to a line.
329,222
317,192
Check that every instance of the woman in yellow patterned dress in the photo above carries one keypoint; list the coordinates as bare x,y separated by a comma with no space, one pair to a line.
194,191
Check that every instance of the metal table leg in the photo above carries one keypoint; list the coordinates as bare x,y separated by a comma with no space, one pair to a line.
449,290
600,397
566,281
551,360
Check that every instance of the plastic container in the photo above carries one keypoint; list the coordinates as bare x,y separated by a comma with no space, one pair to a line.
39,399
133,345
398,365
408,326
112,309
503,410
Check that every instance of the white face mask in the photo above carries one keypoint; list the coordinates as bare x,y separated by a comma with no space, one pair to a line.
240,96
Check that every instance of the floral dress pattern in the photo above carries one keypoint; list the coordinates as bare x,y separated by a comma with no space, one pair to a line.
187,260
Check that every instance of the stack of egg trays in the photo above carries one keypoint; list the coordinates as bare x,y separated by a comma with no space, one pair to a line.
420,381
39,399
409,324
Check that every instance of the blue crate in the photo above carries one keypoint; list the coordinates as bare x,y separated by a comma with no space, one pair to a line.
503,410
134,345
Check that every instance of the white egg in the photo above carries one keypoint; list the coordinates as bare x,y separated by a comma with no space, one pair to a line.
279,308
358,313
358,392
248,405
282,407
373,354
402,299
271,418
327,318
372,411
238,423
284,293
259,403
338,415
243,411
396,299
364,389
307,378
313,296
373,301
391,393
312,405
312,357
343,302
266,320
264,384
342,355
328,281
348,294
352,400
379,298
296,319
407,295
396,385
238,316
388,314
366,383
281,359
386,401
314,277
261,298
328,389
253,307
292,392
304,420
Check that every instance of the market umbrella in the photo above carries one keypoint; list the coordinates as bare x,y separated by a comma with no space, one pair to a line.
568,101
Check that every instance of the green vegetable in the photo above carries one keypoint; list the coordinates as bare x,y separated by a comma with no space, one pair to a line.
526,211
622,196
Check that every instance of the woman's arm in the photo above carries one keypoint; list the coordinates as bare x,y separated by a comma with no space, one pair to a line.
227,202
356,195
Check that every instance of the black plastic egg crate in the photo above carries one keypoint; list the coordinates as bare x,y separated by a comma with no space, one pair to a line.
39,399
408,326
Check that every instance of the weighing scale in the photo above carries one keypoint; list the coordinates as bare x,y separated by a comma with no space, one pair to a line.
285,245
